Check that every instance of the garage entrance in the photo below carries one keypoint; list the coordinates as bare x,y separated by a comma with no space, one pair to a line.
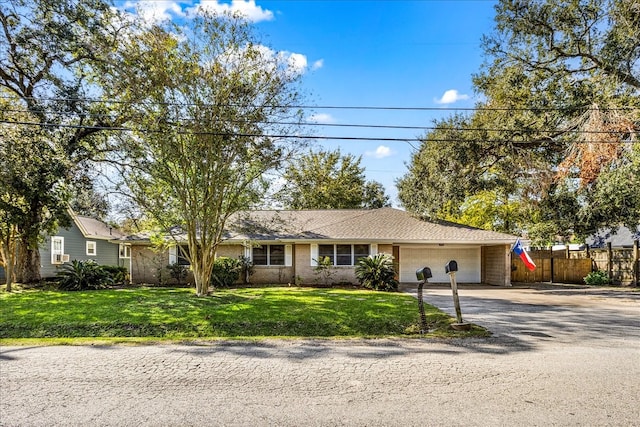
435,257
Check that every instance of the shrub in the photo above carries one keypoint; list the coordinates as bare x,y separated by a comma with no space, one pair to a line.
117,273
324,269
597,278
225,271
83,275
376,272
178,272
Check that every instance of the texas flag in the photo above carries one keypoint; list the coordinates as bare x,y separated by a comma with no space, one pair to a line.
524,256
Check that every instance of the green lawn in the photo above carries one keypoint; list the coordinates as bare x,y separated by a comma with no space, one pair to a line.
176,313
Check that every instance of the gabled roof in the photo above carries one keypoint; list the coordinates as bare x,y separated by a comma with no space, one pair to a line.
383,225
92,228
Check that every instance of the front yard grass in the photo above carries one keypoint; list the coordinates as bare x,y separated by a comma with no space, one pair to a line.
142,314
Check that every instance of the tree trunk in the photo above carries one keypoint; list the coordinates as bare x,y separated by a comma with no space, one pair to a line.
201,279
8,274
28,270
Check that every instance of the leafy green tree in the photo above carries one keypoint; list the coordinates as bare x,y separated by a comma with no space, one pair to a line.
85,198
329,180
615,198
574,68
33,195
199,154
561,117
54,55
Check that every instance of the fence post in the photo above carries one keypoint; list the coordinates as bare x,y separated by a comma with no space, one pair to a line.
610,262
636,262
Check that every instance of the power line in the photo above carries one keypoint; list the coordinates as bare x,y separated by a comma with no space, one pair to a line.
298,137
364,126
320,107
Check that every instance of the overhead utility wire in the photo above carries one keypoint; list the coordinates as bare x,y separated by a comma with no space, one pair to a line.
325,107
356,125
283,136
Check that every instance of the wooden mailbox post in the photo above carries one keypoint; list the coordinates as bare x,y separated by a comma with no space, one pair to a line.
450,268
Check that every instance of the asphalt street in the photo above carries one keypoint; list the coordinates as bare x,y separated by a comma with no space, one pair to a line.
557,357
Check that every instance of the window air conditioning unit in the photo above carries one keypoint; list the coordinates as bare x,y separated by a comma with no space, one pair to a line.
61,258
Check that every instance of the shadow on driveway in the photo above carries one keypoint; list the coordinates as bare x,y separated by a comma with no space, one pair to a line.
539,315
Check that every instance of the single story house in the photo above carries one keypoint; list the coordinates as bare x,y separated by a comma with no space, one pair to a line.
621,237
85,239
285,246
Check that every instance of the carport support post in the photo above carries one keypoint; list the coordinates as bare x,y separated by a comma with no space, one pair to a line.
456,300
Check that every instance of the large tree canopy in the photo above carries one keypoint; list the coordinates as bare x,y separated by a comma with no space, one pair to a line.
211,126
32,193
56,58
329,180
558,126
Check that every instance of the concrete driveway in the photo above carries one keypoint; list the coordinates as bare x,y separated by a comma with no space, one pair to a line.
537,314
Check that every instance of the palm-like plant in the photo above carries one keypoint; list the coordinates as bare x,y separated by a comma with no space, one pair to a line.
82,275
376,272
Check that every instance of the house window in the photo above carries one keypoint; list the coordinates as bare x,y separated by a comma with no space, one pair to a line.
183,255
91,248
359,252
125,251
57,249
269,255
179,255
326,251
343,254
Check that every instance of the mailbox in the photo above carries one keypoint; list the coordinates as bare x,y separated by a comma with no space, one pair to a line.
423,273
451,267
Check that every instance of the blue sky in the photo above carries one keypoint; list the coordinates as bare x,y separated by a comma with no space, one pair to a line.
393,53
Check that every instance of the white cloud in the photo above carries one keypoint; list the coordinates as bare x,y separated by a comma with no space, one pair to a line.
153,11
318,64
297,62
381,152
247,8
292,64
161,10
321,118
451,96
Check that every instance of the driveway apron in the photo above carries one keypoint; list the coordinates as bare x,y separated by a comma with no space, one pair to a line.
544,313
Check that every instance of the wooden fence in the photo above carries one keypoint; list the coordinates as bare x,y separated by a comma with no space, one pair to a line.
621,264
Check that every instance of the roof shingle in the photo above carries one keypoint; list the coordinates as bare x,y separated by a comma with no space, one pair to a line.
384,224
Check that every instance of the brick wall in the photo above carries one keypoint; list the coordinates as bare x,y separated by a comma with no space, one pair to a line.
496,268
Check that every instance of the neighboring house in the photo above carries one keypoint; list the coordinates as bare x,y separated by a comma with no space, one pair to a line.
85,239
285,246
621,237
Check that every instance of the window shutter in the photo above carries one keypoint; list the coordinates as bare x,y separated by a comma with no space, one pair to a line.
374,249
248,253
288,255
173,255
314,255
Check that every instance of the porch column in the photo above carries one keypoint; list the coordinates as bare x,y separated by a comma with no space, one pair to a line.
507,265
